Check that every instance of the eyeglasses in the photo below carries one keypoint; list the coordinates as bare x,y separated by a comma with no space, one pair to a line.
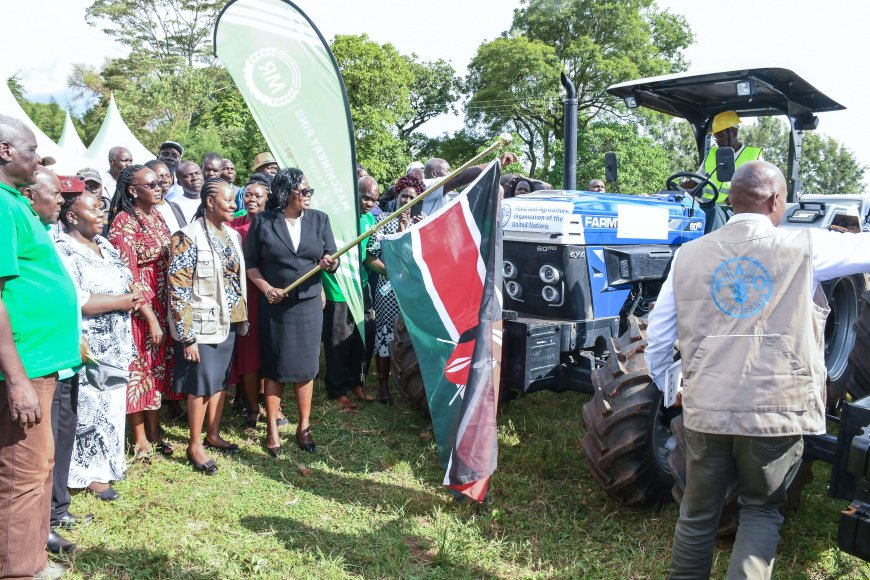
304,192
152,186
369,198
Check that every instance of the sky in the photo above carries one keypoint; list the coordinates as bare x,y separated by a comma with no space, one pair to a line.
822,42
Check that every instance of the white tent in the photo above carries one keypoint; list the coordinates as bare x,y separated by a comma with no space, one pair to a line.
66,162
69,140
115,133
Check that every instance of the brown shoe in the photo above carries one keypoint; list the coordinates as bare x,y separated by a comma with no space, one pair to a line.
360,393
345,403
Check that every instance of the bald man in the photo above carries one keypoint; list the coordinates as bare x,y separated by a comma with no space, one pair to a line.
119,159
38,337
749,312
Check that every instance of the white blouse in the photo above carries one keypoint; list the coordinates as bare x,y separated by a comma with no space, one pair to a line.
294,228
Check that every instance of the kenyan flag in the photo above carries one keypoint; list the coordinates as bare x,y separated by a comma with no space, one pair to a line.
446,273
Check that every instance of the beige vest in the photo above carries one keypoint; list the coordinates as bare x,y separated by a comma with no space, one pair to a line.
750,333
211,318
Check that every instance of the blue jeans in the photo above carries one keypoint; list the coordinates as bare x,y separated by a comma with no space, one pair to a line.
764,467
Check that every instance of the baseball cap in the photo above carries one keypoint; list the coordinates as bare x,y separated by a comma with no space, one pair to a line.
71,183
90,174
172,145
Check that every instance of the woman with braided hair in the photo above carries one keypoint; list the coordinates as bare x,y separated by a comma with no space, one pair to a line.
208,307
386,306
139,233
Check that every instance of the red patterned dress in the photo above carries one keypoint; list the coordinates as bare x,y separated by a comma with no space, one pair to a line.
143,242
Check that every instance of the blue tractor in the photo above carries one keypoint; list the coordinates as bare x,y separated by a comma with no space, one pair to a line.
582,270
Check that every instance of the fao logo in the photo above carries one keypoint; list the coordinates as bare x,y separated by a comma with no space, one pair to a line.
741,287
505,214
272,77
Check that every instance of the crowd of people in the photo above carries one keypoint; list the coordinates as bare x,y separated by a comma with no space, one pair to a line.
163,285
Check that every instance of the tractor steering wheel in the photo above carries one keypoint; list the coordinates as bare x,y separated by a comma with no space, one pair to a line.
704,185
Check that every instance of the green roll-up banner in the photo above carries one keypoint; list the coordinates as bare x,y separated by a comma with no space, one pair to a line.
287,75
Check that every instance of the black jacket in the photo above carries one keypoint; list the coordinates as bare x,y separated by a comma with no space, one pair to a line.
269,248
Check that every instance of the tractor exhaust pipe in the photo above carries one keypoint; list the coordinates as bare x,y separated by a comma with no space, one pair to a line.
569,177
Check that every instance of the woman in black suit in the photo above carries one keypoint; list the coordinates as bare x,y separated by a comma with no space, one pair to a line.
285,242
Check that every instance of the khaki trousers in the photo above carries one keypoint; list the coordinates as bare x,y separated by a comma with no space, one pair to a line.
26,462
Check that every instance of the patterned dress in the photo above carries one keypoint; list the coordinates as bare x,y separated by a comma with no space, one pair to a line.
386,305
143,242
246,357
98,453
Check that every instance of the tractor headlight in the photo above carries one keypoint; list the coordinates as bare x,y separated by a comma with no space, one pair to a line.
550,294
508,269
549,274
513,289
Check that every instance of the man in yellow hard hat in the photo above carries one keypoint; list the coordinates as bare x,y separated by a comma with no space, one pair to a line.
724,131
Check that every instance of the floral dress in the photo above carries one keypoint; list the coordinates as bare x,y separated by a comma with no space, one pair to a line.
386,305
98,452
143,242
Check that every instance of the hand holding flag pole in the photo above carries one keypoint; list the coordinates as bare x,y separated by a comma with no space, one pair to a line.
503,140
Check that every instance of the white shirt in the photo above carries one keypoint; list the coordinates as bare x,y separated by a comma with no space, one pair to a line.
834,255
188,205
174,190
110,184
435,200
294,228
169,217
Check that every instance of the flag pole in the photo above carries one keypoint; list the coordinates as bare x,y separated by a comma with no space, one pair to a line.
503,140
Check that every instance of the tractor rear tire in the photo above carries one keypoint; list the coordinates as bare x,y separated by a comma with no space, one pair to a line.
405,369
628,440
845,299
859,358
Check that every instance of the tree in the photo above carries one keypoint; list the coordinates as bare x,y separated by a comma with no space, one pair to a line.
434,91
177,31
643,165
378,81
826,165
514,84
595,43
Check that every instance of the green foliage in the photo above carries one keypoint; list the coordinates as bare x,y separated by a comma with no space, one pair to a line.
826,166
514,85
643,165
378,81
455,149
434,91
514,80
675,136
159,30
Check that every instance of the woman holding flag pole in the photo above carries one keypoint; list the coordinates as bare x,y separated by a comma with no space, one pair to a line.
284,242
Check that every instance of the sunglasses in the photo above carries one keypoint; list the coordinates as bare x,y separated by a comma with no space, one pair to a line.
304,192
93,187
151,186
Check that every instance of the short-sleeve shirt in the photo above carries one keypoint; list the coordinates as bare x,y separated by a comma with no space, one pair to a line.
39,295
330,284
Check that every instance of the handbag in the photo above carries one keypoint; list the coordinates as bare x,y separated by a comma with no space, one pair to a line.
104,376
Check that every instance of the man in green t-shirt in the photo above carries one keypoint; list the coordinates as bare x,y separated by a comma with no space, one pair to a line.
345,354
38,337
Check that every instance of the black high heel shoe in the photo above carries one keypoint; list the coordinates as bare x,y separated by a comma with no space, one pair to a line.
305,441
273,451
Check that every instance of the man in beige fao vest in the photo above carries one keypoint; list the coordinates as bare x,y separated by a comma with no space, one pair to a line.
745,303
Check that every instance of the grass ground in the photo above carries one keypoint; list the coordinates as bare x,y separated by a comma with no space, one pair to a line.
369,504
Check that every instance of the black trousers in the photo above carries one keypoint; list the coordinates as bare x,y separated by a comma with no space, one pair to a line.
370,326
64,418
343,349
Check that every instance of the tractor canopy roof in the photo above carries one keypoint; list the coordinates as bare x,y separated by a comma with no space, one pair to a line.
750,92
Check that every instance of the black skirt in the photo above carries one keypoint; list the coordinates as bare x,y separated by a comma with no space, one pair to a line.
210,375
290,339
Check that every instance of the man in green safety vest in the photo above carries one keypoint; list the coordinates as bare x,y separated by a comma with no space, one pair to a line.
725,132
